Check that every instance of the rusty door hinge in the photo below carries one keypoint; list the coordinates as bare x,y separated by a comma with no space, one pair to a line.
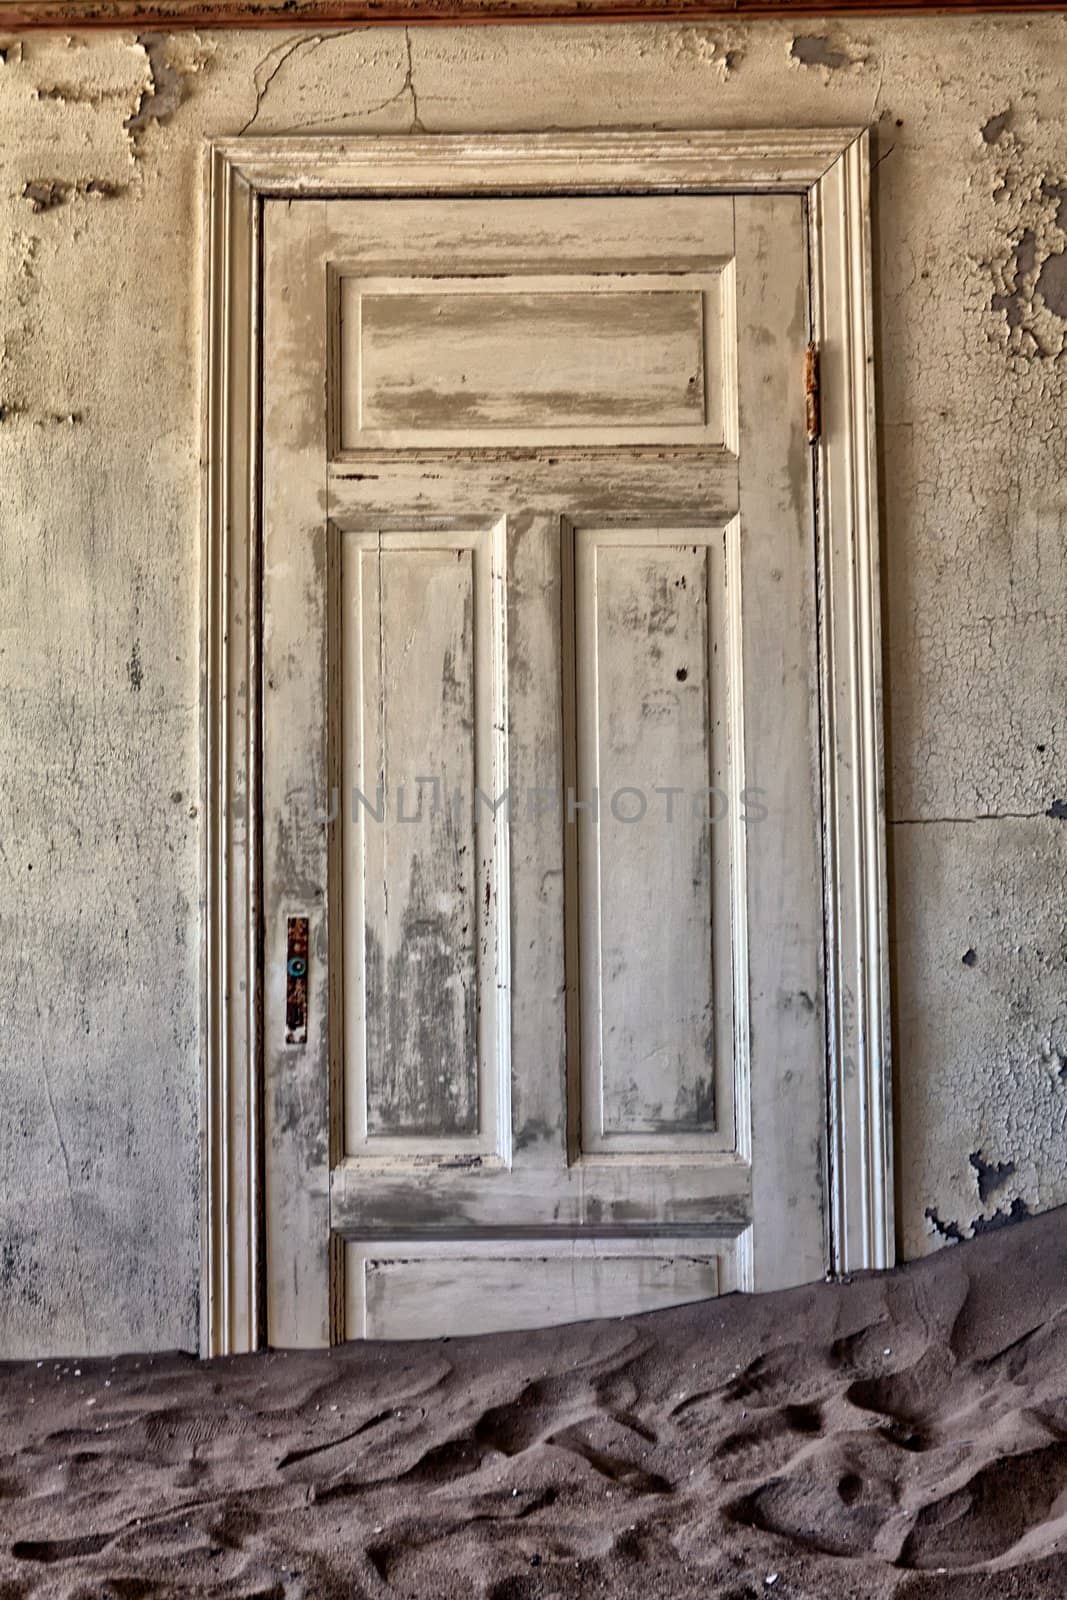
812,400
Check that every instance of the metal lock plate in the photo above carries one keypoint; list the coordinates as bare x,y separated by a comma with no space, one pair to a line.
296,981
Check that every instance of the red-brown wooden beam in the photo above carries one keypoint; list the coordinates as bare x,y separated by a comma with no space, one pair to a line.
17,15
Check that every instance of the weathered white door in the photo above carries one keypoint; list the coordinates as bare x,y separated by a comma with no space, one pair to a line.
543,1031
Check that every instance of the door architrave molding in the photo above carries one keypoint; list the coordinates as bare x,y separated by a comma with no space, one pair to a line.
831,167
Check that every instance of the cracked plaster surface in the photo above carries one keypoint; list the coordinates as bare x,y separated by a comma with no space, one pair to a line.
99,401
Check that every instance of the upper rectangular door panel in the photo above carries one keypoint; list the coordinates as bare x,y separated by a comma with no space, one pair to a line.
459,335
523,359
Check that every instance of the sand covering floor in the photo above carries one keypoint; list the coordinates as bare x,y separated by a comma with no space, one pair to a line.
904,1434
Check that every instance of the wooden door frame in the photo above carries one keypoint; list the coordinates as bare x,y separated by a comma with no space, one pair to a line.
831,166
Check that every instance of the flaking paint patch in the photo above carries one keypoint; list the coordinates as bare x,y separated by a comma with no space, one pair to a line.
22,1275
719,50
18,412
955,1232
829,52
135,668
1051,285
69,93
989,1175
998,1115
171,61
48,194
1029,270
993,129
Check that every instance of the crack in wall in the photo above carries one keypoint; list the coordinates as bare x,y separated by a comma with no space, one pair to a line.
290,50
284,53
408,87
1057,810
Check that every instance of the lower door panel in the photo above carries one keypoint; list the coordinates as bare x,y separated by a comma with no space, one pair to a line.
420,1290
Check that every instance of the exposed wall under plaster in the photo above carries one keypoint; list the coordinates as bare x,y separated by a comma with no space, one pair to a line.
99,393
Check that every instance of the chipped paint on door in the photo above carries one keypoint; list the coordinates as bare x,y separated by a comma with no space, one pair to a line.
539,587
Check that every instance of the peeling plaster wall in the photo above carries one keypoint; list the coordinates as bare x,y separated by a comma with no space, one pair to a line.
100,243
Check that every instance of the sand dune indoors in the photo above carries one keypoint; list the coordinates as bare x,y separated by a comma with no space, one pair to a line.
900,1435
